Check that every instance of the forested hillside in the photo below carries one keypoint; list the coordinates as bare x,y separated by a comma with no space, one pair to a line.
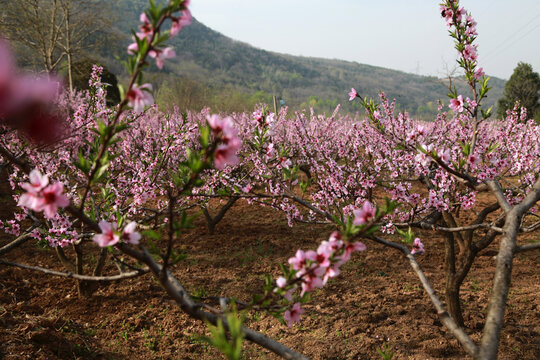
213,70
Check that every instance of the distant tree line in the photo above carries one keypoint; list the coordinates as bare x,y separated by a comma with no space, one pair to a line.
523,86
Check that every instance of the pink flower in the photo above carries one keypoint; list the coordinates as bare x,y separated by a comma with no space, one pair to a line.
133,48
352,94
108,234
293,315
459,15
130,235
37,182
418,247
479,73
52,199
332,271
30,201
161,54
226,155
457,104
40,197
312,280
365,214
221,125
414,134
270,151
469,53
334,242
258,116
139,97
448,14
7,70
285,162
445,156
226,152
179,22
299,260
350,248
471,31
281,282
473,160
147,30
27,102
322,256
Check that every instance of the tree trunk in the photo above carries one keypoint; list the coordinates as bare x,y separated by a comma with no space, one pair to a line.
68,45
452,300
453,283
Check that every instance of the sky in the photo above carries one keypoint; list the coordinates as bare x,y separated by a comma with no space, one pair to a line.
406,35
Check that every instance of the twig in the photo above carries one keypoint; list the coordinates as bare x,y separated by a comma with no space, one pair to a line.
428,226
446,319
528,247
18,241
77,276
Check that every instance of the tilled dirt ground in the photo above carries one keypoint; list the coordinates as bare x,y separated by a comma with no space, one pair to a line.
376,302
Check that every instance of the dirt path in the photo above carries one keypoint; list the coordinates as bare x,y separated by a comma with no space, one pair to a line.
377,301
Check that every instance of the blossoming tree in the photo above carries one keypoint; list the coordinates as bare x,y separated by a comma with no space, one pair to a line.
108,173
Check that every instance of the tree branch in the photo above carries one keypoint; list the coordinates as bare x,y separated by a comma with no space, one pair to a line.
446,319
173,287
528,247
122,276
18,241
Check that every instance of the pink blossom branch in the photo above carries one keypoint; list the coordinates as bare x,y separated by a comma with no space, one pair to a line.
120,110
18,241
175,289
15,160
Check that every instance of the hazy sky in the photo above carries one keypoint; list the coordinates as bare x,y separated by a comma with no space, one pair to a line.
407,35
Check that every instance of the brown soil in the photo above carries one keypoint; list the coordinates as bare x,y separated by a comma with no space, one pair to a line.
376,301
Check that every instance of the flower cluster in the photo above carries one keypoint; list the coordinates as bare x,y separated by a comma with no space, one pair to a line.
227,135
40,196
365,214
312,269
418,247
110,235
95,77
140,96
178,22
463,29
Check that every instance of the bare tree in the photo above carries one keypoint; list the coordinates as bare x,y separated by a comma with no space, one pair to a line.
55,30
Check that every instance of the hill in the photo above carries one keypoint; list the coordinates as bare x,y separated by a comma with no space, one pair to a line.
225,74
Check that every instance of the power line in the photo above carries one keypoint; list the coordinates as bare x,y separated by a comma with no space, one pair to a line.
499,50
510,37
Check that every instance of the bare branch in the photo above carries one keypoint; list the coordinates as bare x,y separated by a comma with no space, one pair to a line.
18,241
71,275
503,271
531,228
528,247
182,297
495,187
446,319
